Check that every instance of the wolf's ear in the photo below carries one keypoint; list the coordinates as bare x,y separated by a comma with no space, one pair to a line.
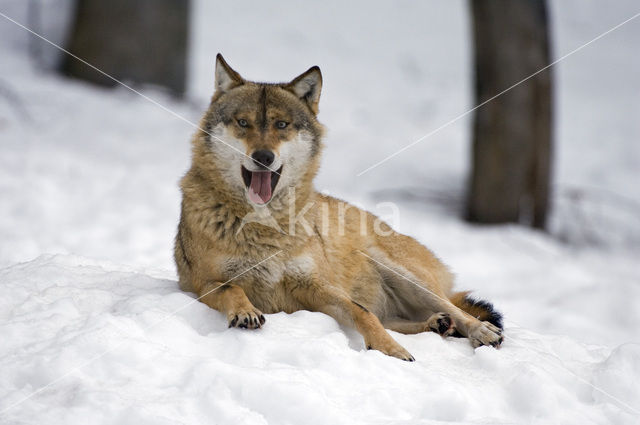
307,87
226,77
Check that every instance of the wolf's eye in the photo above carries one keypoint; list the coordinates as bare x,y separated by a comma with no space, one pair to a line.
243,123
281,124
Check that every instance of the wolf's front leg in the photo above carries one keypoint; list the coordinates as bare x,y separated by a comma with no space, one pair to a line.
338,305
231,300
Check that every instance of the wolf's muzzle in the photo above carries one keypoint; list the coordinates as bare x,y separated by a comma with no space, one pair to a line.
263,158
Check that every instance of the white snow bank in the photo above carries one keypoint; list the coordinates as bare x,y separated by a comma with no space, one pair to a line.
95,172
154,355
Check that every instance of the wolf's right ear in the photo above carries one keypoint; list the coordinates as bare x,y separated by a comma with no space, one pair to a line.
226,77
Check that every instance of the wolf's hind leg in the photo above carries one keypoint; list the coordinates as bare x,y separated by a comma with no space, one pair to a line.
333,302
406,327
440,323
417,287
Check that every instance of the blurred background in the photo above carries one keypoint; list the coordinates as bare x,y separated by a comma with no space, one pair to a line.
533,199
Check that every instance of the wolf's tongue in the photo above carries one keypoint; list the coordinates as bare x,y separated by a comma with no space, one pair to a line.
260,187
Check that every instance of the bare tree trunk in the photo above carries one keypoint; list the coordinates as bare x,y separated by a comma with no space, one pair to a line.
143,41
512,134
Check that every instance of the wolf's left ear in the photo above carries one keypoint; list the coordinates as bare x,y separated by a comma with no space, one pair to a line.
226,77
307,87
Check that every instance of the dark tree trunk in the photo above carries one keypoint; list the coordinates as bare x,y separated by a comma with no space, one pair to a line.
142,41
512,134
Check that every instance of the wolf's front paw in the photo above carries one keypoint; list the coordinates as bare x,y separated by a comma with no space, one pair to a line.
441,323
391,348
249,319
486,334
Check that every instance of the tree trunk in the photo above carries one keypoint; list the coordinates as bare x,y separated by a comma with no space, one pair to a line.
143,41
512,134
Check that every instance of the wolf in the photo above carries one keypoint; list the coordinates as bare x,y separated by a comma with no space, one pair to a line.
255,155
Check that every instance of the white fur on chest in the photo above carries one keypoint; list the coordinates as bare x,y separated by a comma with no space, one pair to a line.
269,272
301,266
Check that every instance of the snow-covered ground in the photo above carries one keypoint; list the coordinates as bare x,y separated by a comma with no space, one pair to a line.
154,355
89,204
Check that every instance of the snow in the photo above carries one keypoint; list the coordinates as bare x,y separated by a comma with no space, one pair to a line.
89,205
156,355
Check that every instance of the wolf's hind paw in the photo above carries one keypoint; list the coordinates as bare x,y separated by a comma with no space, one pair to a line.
486,334
441,323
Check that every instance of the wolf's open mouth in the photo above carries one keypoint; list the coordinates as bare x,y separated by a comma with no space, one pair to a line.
260,184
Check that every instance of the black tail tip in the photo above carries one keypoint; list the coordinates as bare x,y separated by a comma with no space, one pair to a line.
492,315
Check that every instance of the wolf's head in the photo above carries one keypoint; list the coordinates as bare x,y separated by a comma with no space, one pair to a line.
262,138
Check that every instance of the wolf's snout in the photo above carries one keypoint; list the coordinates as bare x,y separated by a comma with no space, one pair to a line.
263,158
262,182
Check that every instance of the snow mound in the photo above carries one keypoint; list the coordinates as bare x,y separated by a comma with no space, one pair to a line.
120,345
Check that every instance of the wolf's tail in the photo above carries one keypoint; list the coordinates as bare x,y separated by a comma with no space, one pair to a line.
480,309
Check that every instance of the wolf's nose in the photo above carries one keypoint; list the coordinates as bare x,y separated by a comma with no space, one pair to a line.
263,157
